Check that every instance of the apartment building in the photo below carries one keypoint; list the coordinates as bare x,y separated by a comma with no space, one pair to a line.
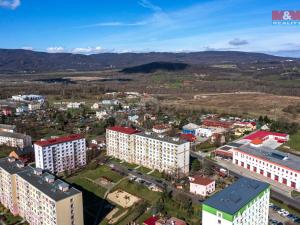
15,139
244,202
273,164
153,151
61,154
38,196
166,154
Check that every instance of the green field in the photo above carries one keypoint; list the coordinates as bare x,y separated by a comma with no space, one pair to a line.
294,142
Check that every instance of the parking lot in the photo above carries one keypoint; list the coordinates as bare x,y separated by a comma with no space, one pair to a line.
278,216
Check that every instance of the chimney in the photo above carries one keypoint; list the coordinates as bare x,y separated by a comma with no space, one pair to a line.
11,159
38,171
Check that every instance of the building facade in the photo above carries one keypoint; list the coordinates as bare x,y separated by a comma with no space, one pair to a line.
270,163
38,197
153,151
61,154
245,202
15,139
202,185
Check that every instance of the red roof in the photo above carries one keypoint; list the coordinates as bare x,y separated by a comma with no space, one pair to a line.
124,130
201,180
161,126
54,141
188,137
256,141
264,134
216,123
151,220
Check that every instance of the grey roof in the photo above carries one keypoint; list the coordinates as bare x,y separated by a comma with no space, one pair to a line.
7,126
172,140
12,135
190,126
275,156
39,181
11,167
50,189
236,196
235,144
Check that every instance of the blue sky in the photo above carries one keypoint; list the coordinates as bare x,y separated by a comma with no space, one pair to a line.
93,26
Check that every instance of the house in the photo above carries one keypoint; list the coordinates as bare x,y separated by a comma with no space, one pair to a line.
110,102
34,106
241,127
25,155
133,118
190,128
216,123
74,105
205,132
21,109
200,185
151,220
170,221
101,114
161,128
95,106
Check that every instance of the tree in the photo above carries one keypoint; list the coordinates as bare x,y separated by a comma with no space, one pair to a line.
111,121
196,165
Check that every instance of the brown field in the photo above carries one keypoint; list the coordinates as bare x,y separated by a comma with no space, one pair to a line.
252,104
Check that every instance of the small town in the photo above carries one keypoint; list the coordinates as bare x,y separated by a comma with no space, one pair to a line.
121,159
150,112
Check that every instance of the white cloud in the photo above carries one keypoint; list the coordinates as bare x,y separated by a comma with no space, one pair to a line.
27,48
147,4
115,24
55,49
88,50
238,42
10,4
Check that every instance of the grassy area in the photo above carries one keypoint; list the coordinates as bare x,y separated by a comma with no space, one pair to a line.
294,142
4,152
88,185
101,171
138,190
295,194
144,169
173,208
156,174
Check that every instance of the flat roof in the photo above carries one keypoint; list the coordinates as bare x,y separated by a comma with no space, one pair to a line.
124,130
236,196
10,167
191,126
54,141
164,138
12,135
275,156
50,189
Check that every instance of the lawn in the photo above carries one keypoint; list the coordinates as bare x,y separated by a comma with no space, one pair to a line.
144,169
138,190
156,174
294,142
4,151
88,185
101,171
9,218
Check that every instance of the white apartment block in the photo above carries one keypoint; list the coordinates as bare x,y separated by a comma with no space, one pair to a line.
273,164
61,154
15,139
7,128
153,151
246,202
38,197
